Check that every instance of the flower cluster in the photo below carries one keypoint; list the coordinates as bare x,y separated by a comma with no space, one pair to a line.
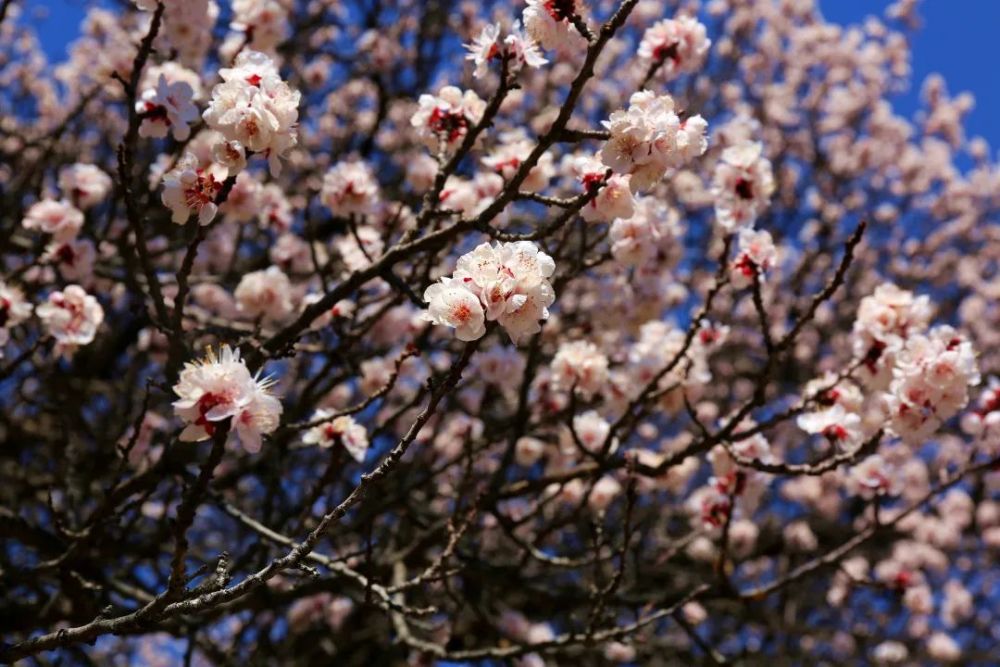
507,283
590,430
653,356
674,46
187,26
742,185
648,235
254,107
886,318
922,377
836,414
874,476
220,387
506,158
984,421
840,427
612,196
649,138
931,380
73,258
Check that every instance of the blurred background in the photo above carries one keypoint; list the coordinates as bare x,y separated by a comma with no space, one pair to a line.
955,39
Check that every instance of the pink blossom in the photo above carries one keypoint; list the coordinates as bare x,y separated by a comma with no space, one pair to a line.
581,366
59,218
350,188
446,118
86,185
756,255
341,430
674,46
265,294
742,185
71,316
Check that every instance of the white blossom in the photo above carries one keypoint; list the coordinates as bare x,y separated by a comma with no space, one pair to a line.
265,294
548,22
582,366
220,387
742,185
74,258
614,198
520,49
71,316
674,46
255,107
59,218
350,188
649,138
648,235
931,381
839,427
885,320
167,108
446,118
341,430
756,254
874,476
452,304
85,185
506,159
189,189
265,22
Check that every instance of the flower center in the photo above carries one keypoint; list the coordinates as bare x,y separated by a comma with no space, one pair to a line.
561,10
156,113
835,433
448,123
205,404
66,255
664,51
744,188
202,192
873,355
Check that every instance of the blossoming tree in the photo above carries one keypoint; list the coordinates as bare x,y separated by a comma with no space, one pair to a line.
566,332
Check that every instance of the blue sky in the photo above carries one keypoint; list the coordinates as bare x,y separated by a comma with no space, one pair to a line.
956,40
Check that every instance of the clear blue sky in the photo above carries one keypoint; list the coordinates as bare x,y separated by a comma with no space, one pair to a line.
956,40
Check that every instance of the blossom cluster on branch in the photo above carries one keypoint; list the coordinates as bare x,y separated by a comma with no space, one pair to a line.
541,333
